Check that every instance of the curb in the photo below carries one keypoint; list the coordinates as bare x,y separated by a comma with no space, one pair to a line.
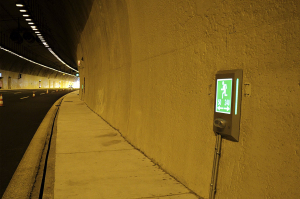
22,183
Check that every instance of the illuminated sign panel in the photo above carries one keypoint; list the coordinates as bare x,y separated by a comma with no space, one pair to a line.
236,96
227,108
223,96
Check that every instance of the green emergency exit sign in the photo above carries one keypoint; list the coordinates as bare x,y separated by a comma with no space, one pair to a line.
223,96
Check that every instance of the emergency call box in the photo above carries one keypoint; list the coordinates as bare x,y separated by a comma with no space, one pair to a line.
227,107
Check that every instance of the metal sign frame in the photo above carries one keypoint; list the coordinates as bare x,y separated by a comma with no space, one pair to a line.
229,118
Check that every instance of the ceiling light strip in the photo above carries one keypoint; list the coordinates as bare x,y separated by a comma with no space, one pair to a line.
2,48
41,37
61,60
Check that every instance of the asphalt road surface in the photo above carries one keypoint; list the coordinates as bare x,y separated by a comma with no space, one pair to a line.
20,117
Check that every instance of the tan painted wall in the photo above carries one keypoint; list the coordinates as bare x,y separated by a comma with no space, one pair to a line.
30,81
149,70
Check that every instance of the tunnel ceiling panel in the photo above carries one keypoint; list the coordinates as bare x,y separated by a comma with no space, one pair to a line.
59,22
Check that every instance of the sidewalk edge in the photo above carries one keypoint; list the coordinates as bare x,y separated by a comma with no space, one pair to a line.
142,152
23,180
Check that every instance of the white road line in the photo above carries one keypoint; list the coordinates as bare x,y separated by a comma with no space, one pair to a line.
24,97
17,92
42,93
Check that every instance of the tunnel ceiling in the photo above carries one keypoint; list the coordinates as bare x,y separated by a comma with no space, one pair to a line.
59,22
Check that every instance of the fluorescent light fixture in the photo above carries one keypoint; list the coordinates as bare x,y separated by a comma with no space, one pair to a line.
19,5
23,10
37,32
34,29
62,60
236,95
30,23
28,19
33,26
25,15
2,48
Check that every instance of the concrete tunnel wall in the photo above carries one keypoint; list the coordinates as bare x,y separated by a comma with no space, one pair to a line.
32,75
30,81
149,69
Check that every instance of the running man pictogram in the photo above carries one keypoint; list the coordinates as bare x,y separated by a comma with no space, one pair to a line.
224,89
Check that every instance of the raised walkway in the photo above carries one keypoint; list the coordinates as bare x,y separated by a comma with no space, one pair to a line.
92,160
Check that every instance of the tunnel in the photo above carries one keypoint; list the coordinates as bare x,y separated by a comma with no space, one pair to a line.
148,68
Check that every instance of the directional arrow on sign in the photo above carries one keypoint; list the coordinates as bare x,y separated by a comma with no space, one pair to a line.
219,107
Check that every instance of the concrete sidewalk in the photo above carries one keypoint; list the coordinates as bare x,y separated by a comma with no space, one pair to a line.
94,161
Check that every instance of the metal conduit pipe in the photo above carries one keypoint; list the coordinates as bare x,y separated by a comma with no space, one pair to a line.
215,167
